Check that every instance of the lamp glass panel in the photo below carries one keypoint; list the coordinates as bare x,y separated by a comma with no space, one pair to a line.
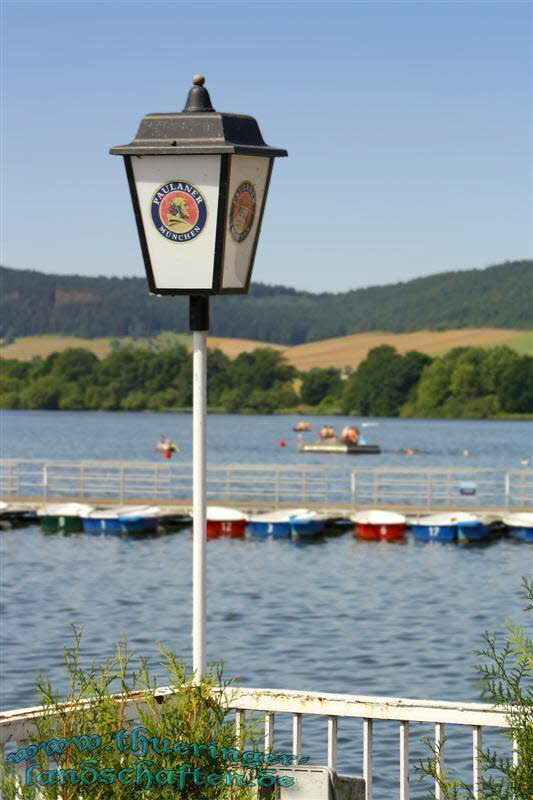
246,196
178,198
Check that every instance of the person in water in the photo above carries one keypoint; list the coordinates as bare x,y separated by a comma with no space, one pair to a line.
166,446
350,435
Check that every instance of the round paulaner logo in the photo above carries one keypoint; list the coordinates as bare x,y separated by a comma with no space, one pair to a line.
179,211
242,211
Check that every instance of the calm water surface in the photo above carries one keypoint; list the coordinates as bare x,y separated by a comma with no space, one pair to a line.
337,615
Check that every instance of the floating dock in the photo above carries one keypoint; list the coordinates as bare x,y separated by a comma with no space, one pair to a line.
339,447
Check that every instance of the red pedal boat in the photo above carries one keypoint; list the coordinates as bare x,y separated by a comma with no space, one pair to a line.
222,521
376,525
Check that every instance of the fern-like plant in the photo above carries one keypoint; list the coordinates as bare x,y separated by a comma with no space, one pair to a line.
506,680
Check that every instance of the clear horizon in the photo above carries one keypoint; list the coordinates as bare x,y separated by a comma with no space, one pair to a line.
408,127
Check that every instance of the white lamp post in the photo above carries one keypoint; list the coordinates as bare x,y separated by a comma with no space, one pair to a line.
199,182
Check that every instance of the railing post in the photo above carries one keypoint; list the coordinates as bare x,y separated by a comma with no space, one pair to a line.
476,752
332,742
439,744
239,726
353,486
269,731
121,489
277,487
404,760
507,490
367,757
228,482
45,482
297,735
430,490
82,481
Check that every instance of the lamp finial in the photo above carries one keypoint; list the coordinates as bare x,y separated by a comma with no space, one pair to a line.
198,98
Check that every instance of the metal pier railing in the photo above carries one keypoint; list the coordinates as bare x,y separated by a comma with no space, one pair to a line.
17,726
268,485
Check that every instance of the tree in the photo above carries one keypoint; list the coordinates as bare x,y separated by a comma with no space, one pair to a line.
515,390
375,388
433,388
318,383
75,364
42,393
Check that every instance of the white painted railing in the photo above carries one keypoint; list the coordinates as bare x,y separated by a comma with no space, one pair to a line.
17,726
268,485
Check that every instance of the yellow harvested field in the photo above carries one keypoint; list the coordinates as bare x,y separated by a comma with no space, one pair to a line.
351,350
340,352
28,347
232,347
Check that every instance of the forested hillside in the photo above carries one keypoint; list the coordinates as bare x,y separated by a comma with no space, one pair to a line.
499,296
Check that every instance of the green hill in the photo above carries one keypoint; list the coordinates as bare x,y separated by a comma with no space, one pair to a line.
499,296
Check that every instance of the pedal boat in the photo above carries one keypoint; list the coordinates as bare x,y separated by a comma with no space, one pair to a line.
376,525
304,526
474,528
274,523
65,517
222,521
109,521
520,525
439,527
144,520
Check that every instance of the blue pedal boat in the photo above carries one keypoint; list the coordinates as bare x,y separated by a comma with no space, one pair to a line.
476,528
144,520
113,521
274,523
307,525
438,527
520,525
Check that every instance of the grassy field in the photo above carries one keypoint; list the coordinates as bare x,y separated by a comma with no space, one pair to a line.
341,352
351,350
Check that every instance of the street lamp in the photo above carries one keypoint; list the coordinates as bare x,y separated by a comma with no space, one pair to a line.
198,181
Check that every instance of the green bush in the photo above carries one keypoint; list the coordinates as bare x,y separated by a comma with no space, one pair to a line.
506,680
101,752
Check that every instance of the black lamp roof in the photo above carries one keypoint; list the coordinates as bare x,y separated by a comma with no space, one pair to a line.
198,129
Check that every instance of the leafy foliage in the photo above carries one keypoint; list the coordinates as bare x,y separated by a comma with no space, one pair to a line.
506,679
467,382
472,382
95,706
499,296
382,382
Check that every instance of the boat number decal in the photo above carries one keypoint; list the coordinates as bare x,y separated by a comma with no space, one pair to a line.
434,531
179,211
270,528
226,527
242,211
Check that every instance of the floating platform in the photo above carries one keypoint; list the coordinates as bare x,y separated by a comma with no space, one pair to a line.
339,447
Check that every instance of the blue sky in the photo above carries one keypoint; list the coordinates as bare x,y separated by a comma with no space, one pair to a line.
408,126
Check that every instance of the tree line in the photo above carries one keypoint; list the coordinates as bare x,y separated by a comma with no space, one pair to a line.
499,296
467,382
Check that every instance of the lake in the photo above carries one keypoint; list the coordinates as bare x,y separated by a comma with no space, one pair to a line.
337,615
